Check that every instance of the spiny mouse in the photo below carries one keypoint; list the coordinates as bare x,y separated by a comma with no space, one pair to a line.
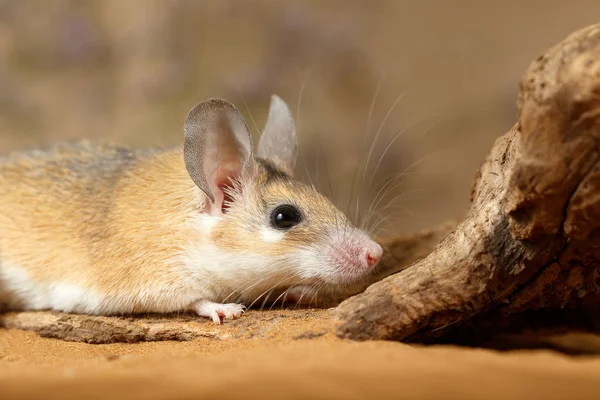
107,230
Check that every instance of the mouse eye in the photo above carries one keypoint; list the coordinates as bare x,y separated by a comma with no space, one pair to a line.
285,217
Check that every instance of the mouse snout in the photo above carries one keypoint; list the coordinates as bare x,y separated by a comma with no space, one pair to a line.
355,253
373,254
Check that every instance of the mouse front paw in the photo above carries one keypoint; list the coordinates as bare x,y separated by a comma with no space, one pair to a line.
216,311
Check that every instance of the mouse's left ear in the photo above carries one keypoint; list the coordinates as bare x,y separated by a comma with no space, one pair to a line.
278,140
217,149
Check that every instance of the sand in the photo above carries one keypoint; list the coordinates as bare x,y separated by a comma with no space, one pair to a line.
284,364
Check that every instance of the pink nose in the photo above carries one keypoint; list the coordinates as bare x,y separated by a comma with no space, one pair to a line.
373,256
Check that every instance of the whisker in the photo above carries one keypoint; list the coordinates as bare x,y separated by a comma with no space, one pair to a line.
390,203
300,95
316,293
389,217
365,221
395,182
328,180
347,211
249,113
390,145
368,160
390,185
404,173
372,106
248,288
317,167
298,120
262,306
357,208
304,291
270,289
284,293
308,174
390,211
365,163
379,132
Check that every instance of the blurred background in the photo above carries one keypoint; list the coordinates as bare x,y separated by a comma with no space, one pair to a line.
396,102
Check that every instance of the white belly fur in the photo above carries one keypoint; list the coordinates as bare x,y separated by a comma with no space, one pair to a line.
25,293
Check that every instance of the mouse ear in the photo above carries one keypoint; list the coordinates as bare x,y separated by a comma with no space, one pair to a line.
278,140
217,148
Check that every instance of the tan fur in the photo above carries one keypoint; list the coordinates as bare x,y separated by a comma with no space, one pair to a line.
90,213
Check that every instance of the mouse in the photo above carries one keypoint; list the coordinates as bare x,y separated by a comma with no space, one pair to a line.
208,226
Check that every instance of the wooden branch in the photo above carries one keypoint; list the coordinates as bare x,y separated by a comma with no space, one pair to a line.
529,241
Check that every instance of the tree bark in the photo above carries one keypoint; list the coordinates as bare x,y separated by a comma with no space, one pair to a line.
529,242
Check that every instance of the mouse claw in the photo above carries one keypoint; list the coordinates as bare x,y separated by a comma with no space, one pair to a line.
216,311
214,315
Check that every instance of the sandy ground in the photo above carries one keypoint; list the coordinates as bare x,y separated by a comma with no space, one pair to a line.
284,364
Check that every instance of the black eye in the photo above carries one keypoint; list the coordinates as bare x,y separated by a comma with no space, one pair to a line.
285,216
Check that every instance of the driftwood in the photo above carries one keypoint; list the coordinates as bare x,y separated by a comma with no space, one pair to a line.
527,252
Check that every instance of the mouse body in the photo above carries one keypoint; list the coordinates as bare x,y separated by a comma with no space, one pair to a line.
210,226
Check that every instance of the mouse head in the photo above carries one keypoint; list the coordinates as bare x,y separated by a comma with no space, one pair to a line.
259,218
